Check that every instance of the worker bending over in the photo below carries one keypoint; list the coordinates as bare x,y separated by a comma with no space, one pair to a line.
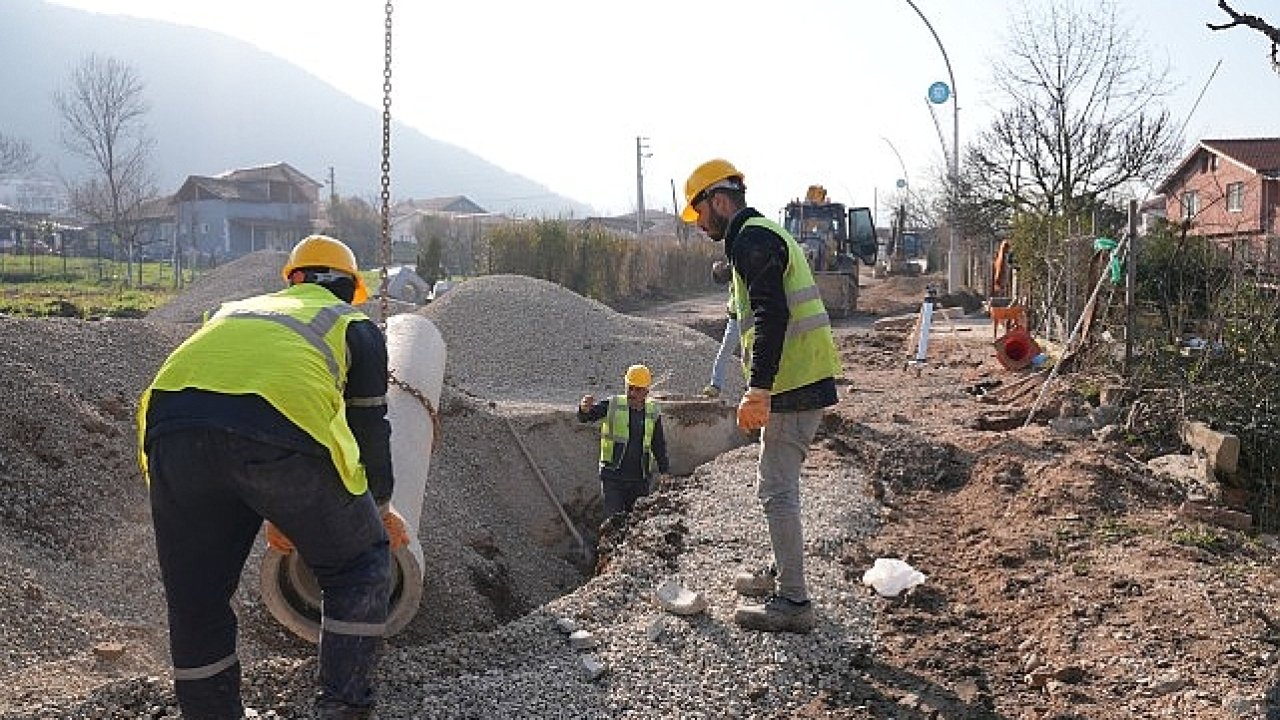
275,409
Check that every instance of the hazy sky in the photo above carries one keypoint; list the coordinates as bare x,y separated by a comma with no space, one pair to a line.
794,93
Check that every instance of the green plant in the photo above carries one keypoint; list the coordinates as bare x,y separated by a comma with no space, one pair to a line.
1200,537
1109,530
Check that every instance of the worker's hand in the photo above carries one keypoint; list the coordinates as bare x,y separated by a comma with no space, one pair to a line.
753,410
397,532
721,272
588,402
277,541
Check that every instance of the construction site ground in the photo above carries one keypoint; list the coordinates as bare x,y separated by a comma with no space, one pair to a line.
1061,581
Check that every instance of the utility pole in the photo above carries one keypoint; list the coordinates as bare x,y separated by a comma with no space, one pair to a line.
954,279
333,188
682,229
641,153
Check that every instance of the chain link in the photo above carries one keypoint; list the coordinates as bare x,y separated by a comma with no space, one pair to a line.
384,248
426,403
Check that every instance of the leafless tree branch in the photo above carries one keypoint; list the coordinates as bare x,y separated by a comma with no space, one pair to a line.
1082,116
1252,21
16,156
103,113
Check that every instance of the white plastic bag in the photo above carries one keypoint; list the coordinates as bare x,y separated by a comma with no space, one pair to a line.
890,576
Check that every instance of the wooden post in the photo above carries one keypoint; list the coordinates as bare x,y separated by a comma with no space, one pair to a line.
1130,277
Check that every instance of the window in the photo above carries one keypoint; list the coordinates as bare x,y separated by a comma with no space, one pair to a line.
1190,204
1235,197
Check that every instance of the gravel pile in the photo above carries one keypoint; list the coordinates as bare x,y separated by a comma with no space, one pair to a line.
246,276
644,663
82,631
517,339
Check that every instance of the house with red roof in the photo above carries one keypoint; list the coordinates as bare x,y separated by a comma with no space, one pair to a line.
1229,191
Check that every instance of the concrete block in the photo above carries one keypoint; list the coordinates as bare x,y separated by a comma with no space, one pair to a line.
1222,449
1204,512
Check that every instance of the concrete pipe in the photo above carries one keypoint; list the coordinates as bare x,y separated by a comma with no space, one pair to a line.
698,430
416,357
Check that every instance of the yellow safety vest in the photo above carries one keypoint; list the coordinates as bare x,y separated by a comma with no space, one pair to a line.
616,430
808,349
303,329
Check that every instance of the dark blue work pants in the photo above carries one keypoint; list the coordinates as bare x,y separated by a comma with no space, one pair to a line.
619,496
210,491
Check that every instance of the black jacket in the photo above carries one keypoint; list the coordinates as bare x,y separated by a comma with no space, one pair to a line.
631,467
760,255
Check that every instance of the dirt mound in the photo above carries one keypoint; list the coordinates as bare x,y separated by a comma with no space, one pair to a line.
518,339
77,567
74,511
246,276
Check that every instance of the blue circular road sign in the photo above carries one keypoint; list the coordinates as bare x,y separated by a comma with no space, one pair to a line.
939,92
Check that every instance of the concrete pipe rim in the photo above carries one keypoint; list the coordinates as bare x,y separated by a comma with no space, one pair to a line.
281,574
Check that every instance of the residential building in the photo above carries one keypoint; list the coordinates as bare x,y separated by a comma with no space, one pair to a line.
259,208
456,220
406,214
1228,191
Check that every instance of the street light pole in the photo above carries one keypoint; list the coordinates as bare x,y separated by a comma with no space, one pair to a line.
953,253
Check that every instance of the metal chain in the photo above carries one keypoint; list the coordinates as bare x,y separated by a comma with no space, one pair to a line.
426,403
384,248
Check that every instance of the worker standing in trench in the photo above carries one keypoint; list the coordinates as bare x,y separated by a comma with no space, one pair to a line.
275,409
790,360
632,445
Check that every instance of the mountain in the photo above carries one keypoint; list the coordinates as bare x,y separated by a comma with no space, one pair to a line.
217,103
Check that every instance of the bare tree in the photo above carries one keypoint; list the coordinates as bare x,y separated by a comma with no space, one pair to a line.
1253,21
103,113
16,156
1081,116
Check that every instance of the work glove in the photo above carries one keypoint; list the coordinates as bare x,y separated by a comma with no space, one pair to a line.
397,531
587,402
753,410
277,540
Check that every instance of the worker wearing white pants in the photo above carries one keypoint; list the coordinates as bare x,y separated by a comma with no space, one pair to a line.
724,355
731,339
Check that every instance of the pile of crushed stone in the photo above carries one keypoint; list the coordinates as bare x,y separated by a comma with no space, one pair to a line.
517,339
81,604
246,276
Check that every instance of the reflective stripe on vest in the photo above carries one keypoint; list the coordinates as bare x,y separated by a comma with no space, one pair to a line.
615,431
808,348
306,326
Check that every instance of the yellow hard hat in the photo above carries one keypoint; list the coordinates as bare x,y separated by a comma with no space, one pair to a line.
639,376
703,177
326,252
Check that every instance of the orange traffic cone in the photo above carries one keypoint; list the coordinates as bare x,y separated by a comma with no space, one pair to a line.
1016,348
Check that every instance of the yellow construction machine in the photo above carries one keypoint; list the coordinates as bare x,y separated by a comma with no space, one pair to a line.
834,238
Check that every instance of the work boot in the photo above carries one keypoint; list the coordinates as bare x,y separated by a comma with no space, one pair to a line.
777,615
761,583
711,391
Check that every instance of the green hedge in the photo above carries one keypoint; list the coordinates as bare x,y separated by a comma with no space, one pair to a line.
607,266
